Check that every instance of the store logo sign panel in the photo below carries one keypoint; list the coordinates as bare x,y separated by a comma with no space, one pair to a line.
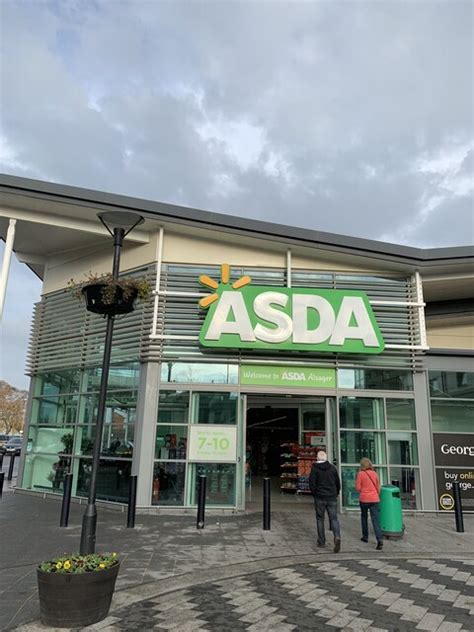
215,444
454,460
242,316
454,449
290,376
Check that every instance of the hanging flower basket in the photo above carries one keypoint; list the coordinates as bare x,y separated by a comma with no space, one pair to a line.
109,298
75,592
107,295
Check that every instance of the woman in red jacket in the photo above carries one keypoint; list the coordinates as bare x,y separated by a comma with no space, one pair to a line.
368,485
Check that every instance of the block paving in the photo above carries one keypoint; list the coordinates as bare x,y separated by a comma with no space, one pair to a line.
375,595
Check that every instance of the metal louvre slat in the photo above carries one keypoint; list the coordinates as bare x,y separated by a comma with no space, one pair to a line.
180,315
65,335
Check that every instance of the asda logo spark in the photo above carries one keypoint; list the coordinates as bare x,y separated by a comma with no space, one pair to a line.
242,316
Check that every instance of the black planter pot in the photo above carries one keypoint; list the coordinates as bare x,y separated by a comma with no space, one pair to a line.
120,305
69,600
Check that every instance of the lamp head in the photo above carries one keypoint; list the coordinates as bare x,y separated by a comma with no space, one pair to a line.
120,219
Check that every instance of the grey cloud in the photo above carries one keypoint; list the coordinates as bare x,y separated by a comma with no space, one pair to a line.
346,99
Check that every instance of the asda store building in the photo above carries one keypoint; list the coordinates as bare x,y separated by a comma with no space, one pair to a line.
260,344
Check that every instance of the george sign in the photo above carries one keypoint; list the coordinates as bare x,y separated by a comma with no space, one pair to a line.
293,376
214,444
456,450
445,479
242,316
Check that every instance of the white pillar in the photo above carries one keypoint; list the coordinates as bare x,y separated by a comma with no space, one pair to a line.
145,429
7,255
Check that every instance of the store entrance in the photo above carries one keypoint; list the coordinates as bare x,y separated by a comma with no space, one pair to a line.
283,435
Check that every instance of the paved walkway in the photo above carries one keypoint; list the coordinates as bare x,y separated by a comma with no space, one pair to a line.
166,558
374,594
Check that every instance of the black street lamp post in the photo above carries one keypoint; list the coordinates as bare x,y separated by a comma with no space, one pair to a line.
119,224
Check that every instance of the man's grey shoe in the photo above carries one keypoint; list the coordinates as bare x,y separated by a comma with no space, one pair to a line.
337,546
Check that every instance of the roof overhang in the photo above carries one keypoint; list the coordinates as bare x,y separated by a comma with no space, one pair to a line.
54,218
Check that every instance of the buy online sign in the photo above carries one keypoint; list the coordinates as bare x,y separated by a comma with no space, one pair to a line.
242,316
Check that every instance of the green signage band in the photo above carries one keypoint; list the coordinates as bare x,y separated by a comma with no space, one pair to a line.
296,376
289,319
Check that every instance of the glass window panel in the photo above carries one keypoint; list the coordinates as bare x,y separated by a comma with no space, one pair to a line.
356,445
350,498
113,479
85,436
168,484
173,407
361,412
57,383
401,414
220,483
117,440
120,407
120,377
452,384
45,472
188,373
453,416
409,483
387,380
55,411
50,440
171,442
216,408
402,448
314,416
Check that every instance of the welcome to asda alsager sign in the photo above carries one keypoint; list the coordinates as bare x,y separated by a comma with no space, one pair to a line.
242,316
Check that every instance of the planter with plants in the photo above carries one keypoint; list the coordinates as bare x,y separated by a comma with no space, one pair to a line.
76,590
105,295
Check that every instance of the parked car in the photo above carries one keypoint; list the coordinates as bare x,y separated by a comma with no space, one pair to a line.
13,446
3,441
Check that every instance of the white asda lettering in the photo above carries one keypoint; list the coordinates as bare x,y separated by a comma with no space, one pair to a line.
464,450
293,376
351,322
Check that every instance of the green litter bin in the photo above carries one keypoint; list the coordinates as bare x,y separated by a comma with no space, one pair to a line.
391,517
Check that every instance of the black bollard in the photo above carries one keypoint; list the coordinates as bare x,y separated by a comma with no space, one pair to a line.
132,502
2,478
11,466
266,504
2,454
458,508
201,502
396,483
67,489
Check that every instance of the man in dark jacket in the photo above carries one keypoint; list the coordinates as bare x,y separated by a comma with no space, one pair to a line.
325,486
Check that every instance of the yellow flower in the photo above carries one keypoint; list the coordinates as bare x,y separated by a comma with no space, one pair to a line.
101,565
59,565
114,554
67,565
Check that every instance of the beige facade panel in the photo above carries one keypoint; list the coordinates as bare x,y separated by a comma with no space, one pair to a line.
202,248
460,336
212,249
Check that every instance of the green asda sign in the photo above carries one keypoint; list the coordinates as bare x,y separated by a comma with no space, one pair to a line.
242,316
296,376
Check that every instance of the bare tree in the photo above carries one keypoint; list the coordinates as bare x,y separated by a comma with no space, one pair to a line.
12,408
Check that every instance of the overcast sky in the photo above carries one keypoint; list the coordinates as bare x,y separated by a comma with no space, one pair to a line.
350,117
